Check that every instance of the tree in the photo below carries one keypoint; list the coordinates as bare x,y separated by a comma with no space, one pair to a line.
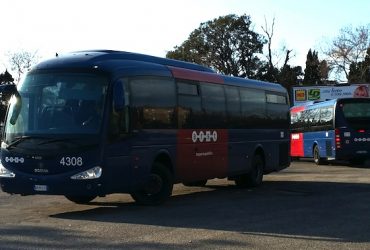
348,48
324,70
360,72
6,78
312,71
289,76
271,72
228,44
273,67
21,62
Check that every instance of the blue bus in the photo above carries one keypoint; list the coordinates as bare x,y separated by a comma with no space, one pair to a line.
93,123
337,129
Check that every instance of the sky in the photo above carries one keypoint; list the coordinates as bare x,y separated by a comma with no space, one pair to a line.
156,26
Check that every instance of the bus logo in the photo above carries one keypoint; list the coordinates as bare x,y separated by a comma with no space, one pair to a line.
204,136
14,159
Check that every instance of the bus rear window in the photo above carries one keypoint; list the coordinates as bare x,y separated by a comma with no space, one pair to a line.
357,114
356,110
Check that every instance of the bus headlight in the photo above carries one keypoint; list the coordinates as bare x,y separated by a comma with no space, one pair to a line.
93,173
5,173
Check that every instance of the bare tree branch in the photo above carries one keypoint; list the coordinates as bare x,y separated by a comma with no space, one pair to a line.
21,62
269,33
349,47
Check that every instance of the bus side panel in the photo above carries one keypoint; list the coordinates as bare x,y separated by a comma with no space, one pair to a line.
296,145
239,149
118,172
149,145
324,140
201,154
243,145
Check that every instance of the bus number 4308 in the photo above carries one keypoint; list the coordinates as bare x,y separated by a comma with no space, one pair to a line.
71,161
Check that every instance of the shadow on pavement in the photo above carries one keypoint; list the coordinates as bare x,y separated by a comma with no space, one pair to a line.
312,210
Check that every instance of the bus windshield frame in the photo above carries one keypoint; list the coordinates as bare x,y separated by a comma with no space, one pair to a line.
57,105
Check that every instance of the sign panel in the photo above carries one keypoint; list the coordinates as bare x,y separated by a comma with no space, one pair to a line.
303,94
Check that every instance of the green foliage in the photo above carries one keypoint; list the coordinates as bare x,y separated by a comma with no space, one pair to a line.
289,76
6,78
227,44
312,71
324,70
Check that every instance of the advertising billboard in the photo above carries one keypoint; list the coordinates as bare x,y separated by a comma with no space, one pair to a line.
302,94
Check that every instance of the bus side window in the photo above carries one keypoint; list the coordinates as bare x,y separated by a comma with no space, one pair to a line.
213,104
152,103
118,123
189,105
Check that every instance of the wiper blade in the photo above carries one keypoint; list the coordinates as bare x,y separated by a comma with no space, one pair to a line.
74,141
22,138
51,140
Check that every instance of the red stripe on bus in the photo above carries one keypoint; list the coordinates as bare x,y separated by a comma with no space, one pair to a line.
296,145
202,154
189,74
297,109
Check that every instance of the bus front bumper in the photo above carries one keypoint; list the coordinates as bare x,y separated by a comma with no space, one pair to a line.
25,184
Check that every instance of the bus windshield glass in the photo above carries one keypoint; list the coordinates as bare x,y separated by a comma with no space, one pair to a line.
357,114
57,104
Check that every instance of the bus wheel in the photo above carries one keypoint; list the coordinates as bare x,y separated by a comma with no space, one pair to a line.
80,199
157,189
316,156
200,183
254,177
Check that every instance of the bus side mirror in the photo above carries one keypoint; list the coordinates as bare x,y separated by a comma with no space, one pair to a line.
118,96
10,91
17,108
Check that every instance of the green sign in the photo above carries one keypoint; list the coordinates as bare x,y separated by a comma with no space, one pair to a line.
314,94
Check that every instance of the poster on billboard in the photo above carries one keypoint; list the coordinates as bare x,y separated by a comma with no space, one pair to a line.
302,94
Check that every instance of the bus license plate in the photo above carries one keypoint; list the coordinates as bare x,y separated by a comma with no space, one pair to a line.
40,188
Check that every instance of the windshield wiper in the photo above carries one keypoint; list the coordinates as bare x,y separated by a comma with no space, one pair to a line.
22,138
51,140
75,141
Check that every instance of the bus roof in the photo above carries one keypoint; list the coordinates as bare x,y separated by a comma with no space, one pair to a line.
332,102
135,64
89,58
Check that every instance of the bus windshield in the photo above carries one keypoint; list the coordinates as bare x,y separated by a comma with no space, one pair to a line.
56,104
357,114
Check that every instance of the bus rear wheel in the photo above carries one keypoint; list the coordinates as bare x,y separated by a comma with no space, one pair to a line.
80,199
316,156
254,177
157,189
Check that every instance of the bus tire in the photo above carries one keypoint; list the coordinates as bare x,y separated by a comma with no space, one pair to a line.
80,199
158,189
255,177
316,156
200,183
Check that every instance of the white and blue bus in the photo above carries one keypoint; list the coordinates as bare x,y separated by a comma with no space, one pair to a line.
337,129
93,123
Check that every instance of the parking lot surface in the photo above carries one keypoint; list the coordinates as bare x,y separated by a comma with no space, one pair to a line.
302,207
